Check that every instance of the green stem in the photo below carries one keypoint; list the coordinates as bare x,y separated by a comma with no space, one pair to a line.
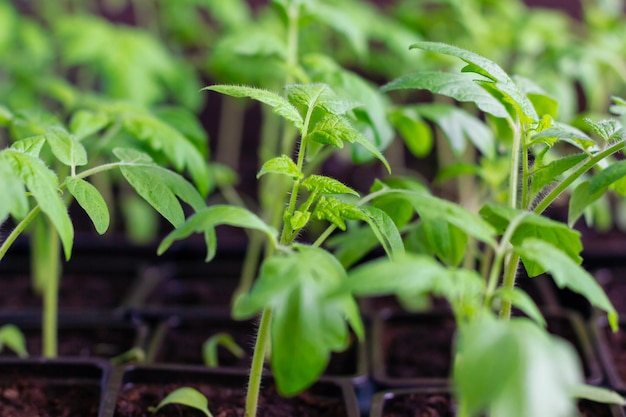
525,193
509,282
18,230
256,369
582,168
500,252
51,295
515,161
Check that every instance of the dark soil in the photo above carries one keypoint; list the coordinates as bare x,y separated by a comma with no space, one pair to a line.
183,345
135,400
84,342
420,349
440,405
613,282
617,345
424,349
197,284
26,397
419,405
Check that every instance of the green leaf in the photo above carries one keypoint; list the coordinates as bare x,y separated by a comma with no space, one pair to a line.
307,324
567,273
601,181
158,186
5,116
44,186
91,201
336,212
162,137
415,275
416,133
341,22
460,87
189,397
186,122
547,174
497,362
14,201
607,130
319,95
353,245
538,227
410,273
598,394
523,301
321,184
457,125
13,338
205,220
66,148
564,133
281,165
437,208
85,123
447,241
334,130
487,68
580,199
31,145
280,104
385,231
232,14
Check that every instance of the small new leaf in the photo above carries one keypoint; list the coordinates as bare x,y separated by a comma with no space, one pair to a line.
319,95
85,123
336,212
13,338
91,201
334,130
281,165
187,396
320,184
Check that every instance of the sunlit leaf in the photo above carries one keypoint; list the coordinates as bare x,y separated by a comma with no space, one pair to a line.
66,148
460,87
91,201
281,165
44,186
279,104
205,220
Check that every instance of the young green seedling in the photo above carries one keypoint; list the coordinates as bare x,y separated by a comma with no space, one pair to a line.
496,358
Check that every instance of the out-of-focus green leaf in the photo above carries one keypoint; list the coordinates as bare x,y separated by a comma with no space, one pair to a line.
567,273
307,323
514,369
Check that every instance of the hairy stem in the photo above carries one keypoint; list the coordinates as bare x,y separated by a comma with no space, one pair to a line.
256,369
509,282
515,162
582,168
